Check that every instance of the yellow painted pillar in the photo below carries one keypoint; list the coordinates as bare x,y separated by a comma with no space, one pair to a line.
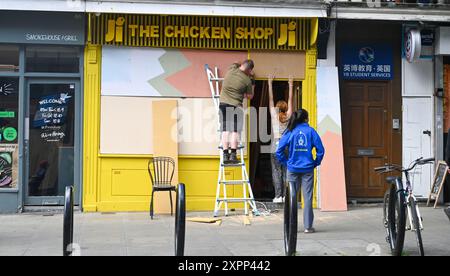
91,127
309,98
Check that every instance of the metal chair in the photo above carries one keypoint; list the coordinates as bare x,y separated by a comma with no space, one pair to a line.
161,178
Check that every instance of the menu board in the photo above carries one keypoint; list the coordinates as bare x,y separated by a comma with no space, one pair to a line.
51,116
439,180
9,166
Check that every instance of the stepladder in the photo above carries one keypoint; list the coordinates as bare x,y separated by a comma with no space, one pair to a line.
223,183
222,199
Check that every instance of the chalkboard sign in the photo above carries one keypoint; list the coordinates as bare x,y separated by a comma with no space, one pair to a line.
438,182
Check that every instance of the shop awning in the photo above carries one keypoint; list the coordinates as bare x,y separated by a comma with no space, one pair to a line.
254,8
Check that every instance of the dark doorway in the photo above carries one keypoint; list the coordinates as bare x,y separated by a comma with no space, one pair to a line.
260,154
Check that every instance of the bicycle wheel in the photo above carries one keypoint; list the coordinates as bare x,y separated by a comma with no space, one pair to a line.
416,222
385,214
180,221
290,220
396,221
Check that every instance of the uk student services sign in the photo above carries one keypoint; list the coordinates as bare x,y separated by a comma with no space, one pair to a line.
367,62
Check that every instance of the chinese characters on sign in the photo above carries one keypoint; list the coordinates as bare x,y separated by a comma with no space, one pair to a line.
361,62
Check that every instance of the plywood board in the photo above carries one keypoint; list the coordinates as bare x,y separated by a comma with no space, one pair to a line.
204,220
198,127
126,125
333,196
156,72
165,143
281,64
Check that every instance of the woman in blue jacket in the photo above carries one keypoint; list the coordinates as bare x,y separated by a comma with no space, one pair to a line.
300,139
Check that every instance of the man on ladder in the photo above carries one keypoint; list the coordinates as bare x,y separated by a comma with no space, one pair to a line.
238,84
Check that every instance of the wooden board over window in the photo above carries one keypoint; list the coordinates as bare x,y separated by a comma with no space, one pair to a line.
126,125
281,64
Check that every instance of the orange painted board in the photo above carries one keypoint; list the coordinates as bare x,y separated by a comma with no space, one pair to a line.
332,175
281,64
165,143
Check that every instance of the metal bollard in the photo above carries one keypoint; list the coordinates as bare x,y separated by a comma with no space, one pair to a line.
290,220
68,222
180,220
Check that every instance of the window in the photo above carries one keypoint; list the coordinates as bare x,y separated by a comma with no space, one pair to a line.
51,59
9,107
9,58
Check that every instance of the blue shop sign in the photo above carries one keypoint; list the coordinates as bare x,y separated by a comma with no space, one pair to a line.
367,62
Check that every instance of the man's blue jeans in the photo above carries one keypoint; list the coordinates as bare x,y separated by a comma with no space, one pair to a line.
306,182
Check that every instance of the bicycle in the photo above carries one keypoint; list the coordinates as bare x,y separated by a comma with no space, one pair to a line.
397,201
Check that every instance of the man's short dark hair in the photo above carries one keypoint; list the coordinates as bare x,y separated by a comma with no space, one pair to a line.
249,64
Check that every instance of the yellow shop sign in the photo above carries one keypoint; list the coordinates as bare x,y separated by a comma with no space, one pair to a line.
235,33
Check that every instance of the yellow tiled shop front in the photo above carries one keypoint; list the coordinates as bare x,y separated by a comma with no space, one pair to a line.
141,71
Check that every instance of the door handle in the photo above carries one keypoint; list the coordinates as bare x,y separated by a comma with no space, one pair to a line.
427,132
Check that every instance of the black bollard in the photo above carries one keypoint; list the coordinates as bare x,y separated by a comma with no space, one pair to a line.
447,212
290,220
68,222
180,220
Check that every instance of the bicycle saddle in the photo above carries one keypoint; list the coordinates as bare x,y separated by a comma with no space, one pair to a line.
391,179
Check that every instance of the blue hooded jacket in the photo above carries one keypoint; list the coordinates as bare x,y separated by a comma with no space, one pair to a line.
300,142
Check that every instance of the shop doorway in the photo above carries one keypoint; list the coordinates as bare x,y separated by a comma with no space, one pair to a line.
367,136
52,125
260,151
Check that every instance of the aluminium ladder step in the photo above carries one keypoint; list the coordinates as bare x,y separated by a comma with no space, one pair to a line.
234,182
233,165
235,199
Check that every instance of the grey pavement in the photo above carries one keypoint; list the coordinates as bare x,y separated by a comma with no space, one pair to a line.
356,232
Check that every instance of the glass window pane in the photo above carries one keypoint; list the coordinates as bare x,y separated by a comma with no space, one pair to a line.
51,143
9,108
9,58
52,59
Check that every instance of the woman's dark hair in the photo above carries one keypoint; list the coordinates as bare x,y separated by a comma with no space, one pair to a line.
298,117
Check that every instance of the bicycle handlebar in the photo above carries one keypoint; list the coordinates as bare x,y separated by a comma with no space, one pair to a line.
428,160
393,167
